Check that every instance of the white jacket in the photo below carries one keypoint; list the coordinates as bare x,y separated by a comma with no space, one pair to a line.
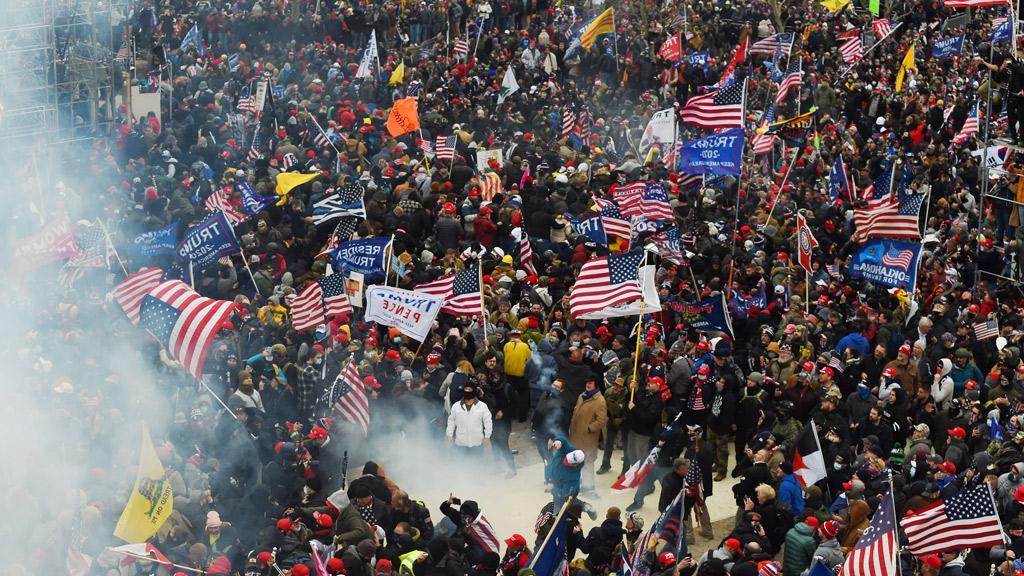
469,427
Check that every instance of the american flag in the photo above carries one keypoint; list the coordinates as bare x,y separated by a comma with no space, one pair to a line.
461,292
461,48
288,160
638,471
483,532
895,219
219,202
875,552
986,329
967,519
836,363
605,282
762,143
776,42
790,81
973,3
184,322
833,271
879,192
721,109
444,147
883,27
526,254
852,50
320,139
348,398
130,291
490,185
568,122
611,218
897,257
318,302
669,245
425,146
246,100
647,199
256,150
970,127
585,119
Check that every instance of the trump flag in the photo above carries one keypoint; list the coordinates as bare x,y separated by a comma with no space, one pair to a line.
887,262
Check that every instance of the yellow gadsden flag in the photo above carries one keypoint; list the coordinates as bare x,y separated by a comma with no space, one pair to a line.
403,117
398,76
287,181
151,500
908,64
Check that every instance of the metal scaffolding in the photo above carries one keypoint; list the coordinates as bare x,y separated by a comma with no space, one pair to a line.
58,72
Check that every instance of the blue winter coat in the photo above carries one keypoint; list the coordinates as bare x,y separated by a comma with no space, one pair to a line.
566,479
790,495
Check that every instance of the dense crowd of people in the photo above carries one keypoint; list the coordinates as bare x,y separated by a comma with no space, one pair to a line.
902,394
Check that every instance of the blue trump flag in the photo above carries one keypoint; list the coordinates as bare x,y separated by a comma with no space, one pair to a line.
363,256
838,181
252,201
819,569
708,315
947,47
550,558
592,227
741,305
156,242
1001,30
716,154
699,59
210,240
888,263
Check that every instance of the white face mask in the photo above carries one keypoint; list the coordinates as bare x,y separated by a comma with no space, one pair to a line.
837,466
307,491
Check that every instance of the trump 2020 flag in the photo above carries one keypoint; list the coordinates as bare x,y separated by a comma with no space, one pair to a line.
947,47
808,459
253,202
364,256
838,181
887,262
550,559
707,315
661,129
716,154
208,241
151,500
156,242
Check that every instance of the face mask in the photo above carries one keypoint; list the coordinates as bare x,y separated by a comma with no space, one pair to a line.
318,361
837,466
307,491
468,394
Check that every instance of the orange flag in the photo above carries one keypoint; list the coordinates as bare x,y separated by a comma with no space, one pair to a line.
403,118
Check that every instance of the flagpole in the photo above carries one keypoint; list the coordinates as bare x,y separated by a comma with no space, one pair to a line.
191,274
536,554
111,245
317,124
387,261
155,561
785,178
639,325
739,186
245,259
483,308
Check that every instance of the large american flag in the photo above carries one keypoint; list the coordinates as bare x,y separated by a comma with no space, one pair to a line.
526,254
483,532
883,27
246,100
970,127
318,302
605,282
986,329
875,552
973,3
461,292
852,50
568,122
130,291
461,48
776,42
879,192
646,199
639,470
896,218
790,81
762,143
444,148
721,109
184,322
611,218
348,398
219,202
967,519
490,185
256,150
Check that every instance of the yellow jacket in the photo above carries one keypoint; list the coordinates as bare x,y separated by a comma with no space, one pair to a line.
517,354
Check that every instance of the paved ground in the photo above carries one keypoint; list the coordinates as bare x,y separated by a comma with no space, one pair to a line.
512,504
